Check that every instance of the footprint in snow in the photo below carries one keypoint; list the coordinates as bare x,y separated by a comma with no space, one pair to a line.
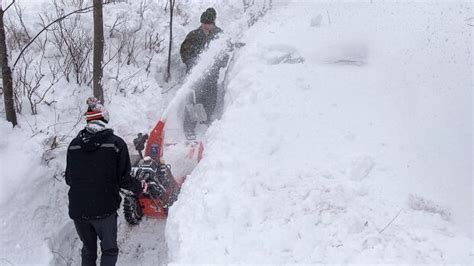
348,53
361,168
281,54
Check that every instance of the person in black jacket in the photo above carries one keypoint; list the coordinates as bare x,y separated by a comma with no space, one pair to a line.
98,166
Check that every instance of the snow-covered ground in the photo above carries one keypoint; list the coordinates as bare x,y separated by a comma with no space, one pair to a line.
35,227
346,137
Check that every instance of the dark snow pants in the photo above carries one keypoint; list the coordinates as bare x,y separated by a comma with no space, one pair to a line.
206,92
106,230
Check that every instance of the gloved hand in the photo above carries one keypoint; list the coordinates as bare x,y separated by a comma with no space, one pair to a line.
139,142
144,187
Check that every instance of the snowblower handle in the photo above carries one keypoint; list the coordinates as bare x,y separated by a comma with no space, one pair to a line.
139,143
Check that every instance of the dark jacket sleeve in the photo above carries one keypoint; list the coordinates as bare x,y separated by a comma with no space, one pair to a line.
67,173
217,31
125,180
188,50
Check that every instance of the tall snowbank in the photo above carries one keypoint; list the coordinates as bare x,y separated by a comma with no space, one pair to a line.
35,226
346,138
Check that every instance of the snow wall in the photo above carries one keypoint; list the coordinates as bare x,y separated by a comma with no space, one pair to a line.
346,138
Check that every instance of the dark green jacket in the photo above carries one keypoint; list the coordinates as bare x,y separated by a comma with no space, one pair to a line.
196,41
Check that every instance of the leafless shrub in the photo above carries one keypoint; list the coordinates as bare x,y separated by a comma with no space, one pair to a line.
124,39
256,11
183,14
18,34
72,41
18,100
153,42
131,43
31,82
247,4
64,50
19,12
125,84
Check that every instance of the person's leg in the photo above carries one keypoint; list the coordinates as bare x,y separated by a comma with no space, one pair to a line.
88,236
212,101
107,230
189,125
206,92
209,97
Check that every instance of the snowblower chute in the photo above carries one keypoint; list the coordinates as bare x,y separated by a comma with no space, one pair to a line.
177,138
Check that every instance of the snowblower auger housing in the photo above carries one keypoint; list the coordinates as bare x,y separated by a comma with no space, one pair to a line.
162,188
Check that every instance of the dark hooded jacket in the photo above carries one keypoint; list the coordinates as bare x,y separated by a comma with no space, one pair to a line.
196,41
98,165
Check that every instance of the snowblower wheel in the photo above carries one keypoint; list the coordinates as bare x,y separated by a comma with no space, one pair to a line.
132,210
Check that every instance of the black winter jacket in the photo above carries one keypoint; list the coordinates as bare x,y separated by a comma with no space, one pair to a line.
98,165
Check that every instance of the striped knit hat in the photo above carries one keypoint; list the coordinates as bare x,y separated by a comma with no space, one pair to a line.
96,111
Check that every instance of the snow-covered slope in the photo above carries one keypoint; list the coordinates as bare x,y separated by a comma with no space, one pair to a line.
346,138
34,224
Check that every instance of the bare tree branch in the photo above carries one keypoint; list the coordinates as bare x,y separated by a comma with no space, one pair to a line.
10,5
168,72
79,11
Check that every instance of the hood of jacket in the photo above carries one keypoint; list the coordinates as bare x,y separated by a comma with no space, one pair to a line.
93,141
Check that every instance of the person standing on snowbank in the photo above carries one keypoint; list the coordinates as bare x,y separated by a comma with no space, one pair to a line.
98,166
197,40
206,88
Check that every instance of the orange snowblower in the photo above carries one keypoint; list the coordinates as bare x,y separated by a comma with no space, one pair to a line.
163,187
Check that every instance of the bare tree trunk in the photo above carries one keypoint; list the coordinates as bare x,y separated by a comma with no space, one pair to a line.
6,73
98,51
168,75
